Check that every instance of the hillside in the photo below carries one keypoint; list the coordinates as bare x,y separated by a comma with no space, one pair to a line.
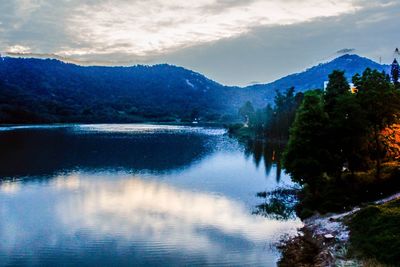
315,77
37,90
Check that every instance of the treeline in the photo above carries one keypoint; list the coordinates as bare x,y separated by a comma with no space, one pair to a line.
271,122
20,106
41,91
342,145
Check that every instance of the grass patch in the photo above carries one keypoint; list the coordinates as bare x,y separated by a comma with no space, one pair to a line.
375,233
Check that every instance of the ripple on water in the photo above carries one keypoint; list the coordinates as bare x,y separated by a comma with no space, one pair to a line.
87,212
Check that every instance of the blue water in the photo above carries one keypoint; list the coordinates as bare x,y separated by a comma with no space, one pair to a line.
133,195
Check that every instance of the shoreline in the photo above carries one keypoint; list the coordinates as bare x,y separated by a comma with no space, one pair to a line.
325,238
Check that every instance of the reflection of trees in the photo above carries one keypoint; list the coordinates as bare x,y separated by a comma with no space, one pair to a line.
278,204
268,152
48,151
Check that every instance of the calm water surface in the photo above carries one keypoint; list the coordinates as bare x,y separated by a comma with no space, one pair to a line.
137,195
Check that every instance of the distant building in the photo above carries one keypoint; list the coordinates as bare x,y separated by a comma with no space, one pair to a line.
326,85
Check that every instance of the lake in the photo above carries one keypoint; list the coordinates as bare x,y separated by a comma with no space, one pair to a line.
134,195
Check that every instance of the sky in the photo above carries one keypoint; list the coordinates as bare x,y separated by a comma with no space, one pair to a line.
234,42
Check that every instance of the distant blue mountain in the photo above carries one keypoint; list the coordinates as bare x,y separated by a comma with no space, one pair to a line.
37,90
315,77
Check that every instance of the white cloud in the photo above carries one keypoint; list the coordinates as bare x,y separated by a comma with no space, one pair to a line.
122,32
156,27
24,9
18,49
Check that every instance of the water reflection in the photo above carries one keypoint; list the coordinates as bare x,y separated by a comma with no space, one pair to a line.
268,152
134,195
134,215
46,151
278,204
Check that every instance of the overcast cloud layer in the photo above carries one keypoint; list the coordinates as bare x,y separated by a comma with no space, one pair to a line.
231,41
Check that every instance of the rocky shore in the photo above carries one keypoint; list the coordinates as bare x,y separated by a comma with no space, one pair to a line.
323,241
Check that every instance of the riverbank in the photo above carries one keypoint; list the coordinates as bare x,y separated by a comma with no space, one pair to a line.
337,240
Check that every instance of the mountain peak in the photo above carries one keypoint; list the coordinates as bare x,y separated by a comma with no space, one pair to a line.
349,56
354,57
314,77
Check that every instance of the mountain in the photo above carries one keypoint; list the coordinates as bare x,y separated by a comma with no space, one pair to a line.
315,77
37,90
48,90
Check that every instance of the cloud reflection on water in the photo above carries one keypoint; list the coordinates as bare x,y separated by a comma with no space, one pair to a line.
129,205
158,216
137,214
117,199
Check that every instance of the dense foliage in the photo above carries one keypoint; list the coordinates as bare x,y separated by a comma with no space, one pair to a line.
375,232
339,136
307,158
270,122
35,90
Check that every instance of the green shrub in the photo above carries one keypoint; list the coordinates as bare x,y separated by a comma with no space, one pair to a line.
375,232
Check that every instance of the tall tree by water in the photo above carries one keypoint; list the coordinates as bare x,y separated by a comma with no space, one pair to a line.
337,86
306,157
381,104
346,125
286,105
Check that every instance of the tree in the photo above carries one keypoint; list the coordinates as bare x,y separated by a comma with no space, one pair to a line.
346,127
337,86
395,73
306,157
285,110
380,102
269,120
247,111
347,134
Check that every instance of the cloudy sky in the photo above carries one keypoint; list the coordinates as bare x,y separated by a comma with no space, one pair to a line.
235,42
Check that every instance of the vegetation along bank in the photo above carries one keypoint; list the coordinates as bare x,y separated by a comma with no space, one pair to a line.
342,146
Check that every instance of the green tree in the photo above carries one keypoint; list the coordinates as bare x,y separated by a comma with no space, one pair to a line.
269,119
380,102
337,86
286,105
247,111
347,134
346,127
395,73
306,157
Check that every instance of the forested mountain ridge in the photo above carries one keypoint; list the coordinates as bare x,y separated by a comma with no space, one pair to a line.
50,90
37,90
315,77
